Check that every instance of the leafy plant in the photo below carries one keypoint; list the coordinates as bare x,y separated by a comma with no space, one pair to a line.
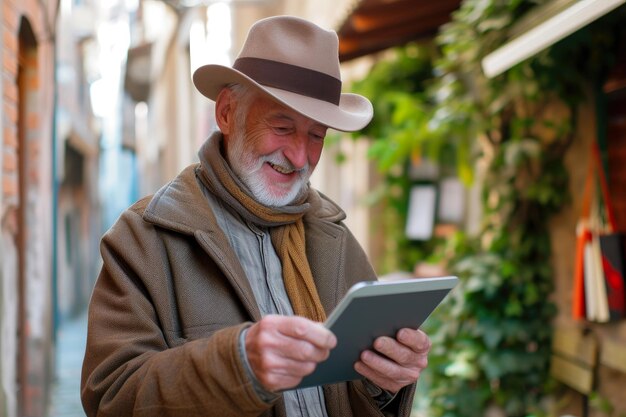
401,138
491,340
603,405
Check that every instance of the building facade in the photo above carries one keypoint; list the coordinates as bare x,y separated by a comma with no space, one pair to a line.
27,53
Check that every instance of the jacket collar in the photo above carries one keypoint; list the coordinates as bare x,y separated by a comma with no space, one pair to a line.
180,205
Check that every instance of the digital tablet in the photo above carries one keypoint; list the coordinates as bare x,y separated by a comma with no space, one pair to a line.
371,309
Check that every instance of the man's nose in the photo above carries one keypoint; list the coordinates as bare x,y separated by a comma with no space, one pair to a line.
297,150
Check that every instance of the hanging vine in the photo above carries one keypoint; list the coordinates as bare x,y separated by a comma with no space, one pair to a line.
491,341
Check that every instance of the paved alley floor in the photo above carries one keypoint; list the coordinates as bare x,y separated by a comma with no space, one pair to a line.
65,399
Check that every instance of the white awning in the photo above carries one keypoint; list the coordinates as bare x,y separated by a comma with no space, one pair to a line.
547,33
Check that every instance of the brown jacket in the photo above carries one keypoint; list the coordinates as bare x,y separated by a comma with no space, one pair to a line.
171,300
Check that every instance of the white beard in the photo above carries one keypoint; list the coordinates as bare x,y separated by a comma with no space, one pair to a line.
247,167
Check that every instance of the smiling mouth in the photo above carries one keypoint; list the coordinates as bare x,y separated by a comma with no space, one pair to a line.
281,169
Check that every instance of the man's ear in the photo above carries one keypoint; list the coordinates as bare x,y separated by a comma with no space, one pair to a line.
224,111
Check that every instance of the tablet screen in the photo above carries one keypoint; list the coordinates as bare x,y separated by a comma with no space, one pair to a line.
371,310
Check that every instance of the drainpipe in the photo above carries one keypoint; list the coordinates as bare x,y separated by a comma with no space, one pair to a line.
55,186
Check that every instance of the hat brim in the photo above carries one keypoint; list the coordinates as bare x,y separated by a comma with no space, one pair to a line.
353,113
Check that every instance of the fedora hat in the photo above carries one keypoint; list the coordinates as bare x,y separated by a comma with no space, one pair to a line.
297,63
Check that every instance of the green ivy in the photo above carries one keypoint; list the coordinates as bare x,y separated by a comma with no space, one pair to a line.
401,136
491,339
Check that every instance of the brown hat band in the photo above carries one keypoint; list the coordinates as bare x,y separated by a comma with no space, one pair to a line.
292,78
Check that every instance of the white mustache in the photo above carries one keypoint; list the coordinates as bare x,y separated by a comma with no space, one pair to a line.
277,160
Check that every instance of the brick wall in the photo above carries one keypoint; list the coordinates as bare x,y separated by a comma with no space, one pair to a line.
27,54
10,26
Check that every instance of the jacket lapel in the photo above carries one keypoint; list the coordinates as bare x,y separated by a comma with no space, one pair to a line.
323,245
215,244
182,207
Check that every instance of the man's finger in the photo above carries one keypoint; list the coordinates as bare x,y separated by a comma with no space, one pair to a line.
384,372
417,340
305,329
303,350
398,352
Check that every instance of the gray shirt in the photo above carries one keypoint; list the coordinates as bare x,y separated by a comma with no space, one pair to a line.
259,260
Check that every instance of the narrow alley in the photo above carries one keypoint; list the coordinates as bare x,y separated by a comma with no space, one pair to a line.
65,395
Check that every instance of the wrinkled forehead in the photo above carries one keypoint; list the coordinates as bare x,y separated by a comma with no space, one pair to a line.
263,105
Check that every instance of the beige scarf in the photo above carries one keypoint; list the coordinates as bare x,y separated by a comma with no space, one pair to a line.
285,224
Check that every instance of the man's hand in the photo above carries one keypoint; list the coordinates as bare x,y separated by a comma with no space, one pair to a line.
400,362
283,349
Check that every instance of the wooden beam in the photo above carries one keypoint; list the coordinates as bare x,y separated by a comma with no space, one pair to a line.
574,358
572,374
414,27
574,345
375,25
376,40
402,6
385,16
613,355
365,49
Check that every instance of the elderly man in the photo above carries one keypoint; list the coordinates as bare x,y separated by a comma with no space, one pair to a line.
212,291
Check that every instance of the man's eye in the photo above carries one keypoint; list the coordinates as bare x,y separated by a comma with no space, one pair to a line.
318,135
281,130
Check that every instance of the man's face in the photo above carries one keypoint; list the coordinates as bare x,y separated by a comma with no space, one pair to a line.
274,150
